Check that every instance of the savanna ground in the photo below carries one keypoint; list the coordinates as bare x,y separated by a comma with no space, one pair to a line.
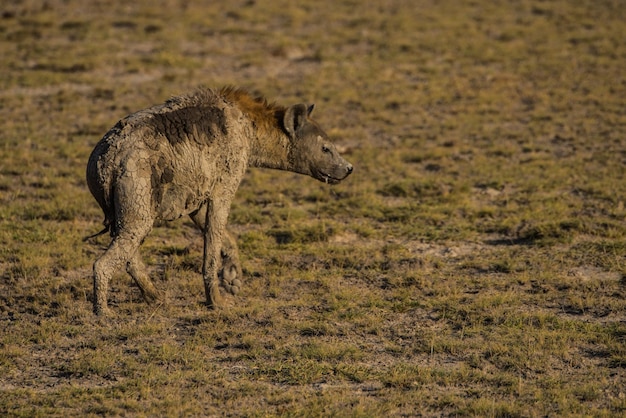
473,264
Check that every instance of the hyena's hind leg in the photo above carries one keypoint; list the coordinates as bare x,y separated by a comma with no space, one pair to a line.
137,270
123,247
133,222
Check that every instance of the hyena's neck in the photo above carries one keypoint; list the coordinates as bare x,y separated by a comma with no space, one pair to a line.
270,146
271,149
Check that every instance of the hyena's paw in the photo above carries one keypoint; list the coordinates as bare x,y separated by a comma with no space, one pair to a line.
230,273
230,276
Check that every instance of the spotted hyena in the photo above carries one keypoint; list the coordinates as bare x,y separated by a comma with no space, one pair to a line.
187,156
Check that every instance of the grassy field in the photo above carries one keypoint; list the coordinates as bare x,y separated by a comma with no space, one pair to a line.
473,265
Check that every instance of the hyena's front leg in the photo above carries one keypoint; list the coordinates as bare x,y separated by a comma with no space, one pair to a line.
214,226
230,273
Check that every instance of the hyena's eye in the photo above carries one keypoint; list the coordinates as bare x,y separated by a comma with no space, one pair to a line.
325,149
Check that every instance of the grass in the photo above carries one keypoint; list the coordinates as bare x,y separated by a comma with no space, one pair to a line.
473,265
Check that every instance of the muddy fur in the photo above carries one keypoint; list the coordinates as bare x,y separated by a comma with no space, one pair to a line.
186,157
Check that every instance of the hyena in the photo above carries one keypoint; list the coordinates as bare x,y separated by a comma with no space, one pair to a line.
187,156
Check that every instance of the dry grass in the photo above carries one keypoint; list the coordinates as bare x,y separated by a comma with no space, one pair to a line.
473,265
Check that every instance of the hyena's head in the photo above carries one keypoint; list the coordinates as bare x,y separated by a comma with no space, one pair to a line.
311,152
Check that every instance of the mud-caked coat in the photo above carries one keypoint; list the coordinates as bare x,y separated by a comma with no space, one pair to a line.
187,157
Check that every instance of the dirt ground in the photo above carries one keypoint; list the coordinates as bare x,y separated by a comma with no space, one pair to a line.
472,265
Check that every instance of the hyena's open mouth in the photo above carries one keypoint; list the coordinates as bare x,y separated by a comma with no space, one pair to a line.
330,180
327,178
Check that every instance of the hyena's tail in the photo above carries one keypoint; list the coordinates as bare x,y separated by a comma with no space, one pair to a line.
99,182
106,229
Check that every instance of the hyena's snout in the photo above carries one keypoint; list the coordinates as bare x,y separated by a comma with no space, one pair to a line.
339,172
347,169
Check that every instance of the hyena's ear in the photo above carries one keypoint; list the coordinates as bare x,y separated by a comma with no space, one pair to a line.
310,109
295,117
